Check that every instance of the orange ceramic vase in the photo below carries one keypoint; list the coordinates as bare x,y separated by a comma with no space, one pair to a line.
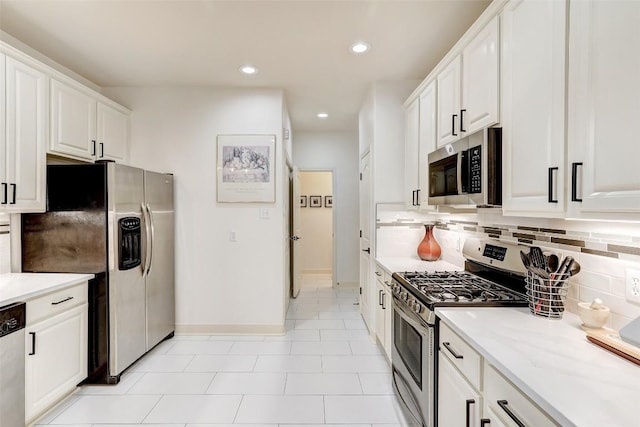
429,249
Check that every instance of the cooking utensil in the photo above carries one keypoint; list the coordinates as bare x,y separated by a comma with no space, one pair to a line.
552,263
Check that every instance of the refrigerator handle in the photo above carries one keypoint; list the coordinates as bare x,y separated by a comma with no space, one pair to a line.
153,238
145,266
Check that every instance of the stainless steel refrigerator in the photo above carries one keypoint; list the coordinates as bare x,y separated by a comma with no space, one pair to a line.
117,222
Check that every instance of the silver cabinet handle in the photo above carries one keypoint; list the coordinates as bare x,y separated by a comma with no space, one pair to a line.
153,238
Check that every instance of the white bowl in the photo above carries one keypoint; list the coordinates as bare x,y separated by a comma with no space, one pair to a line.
594,318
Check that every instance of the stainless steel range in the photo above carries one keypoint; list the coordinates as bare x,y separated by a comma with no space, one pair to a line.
493,277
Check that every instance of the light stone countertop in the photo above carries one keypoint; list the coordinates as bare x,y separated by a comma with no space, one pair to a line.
576,382
396,264
24,286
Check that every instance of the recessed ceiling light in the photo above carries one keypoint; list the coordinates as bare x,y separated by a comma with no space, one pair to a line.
323,115
248,69
360,47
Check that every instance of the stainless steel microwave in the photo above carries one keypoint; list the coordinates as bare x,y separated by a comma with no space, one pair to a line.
468,172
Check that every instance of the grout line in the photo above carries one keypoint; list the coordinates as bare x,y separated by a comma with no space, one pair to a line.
154,407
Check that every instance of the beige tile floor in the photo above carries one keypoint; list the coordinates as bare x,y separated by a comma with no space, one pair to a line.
324,370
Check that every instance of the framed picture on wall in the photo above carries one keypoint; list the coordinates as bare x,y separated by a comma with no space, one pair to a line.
246,169
315,201
328,201
303,201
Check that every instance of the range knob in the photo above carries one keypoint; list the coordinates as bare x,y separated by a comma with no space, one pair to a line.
404,296
417,307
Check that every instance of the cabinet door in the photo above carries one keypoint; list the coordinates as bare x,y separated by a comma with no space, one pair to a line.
387,306
449,103
380,332
480,80
73,122
604,105
113,134
3,132
59,362
411,151
533,107
493,419
428,137
24,147
459,404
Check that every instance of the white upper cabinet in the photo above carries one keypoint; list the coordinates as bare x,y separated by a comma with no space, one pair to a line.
533,107
73,121
84,127
448,82
428,137
23,111
411,153
113,134
480,80
604,105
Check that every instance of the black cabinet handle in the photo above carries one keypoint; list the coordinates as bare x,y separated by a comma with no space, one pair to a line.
93,147
551,182
453,125
503,404
418,197
61,301
33,343
368,250
469,403
462,120
101,149
15,190
5,187
484,422
379,297
378,274
383,299
574,181
452,351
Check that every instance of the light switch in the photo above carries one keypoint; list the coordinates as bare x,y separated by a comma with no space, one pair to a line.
232,236
264,213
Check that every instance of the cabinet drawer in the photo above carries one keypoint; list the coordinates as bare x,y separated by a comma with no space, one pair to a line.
461,355
504,400
56,302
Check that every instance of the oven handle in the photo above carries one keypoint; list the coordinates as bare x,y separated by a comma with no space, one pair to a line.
395,375
410,317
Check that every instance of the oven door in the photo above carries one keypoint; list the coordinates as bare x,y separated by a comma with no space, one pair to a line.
413,367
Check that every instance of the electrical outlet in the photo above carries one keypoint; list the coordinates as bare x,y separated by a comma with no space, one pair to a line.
633,285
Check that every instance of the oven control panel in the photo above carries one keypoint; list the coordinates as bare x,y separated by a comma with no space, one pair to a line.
408,301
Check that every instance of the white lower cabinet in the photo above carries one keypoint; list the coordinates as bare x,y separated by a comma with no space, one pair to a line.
471,392
384,310
507,405
459,404
56,349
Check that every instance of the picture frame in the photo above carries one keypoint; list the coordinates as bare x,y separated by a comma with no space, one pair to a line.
315,201
328,201
246,168
303,201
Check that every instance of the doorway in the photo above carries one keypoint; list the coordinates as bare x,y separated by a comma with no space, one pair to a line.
316,244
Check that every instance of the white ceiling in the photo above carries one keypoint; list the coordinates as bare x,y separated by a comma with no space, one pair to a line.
301,46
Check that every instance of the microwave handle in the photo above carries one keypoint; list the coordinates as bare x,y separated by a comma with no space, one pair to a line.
463,172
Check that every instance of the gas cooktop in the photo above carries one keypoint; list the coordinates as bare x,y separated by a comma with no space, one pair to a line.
452,288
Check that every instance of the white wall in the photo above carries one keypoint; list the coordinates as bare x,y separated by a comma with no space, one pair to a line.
316,224
220,285
337,151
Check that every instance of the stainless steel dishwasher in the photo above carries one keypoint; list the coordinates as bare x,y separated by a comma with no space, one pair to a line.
12,322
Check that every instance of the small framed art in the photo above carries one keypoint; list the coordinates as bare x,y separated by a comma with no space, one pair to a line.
315,201
328,201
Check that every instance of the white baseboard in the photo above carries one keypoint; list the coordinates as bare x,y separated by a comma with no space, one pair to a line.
190,329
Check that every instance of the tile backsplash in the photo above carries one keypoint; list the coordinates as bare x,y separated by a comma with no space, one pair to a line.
604,250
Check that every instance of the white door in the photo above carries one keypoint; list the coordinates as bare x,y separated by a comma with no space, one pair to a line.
533,107
365,238
480,79
604,106
449,103
296,235
25,144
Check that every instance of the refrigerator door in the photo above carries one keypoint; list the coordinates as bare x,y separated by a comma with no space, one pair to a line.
160,294
127,337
